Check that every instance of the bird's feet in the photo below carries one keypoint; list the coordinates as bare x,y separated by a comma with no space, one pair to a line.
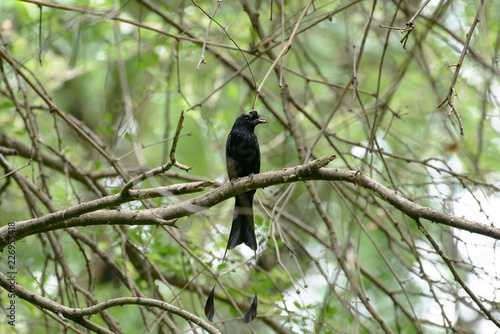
251,175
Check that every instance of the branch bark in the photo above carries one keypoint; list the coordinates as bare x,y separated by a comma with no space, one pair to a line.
78,314
310,171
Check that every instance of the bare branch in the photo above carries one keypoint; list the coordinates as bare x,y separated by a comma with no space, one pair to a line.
450,98
78,314
308,171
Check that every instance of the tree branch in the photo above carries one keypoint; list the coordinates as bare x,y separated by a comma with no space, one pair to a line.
78,314
457,276
310,171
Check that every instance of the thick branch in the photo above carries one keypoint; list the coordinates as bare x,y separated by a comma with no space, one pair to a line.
310,171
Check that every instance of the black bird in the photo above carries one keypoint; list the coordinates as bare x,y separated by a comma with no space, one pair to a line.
243,159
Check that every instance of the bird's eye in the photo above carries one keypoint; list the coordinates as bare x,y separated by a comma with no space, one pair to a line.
247,118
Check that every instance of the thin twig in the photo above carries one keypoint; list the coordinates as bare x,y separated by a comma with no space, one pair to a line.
202,58
282,52
456,275
450,98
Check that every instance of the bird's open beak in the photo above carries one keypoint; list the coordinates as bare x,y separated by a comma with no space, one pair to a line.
261,120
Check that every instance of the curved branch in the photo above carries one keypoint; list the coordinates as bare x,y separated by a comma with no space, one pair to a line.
78,314
310,171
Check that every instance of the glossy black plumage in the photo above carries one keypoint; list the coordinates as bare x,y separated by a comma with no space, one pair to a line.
243,159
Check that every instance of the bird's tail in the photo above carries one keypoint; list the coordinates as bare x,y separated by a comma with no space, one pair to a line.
242,229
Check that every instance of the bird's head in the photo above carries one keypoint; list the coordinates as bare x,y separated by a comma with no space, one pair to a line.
250,120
